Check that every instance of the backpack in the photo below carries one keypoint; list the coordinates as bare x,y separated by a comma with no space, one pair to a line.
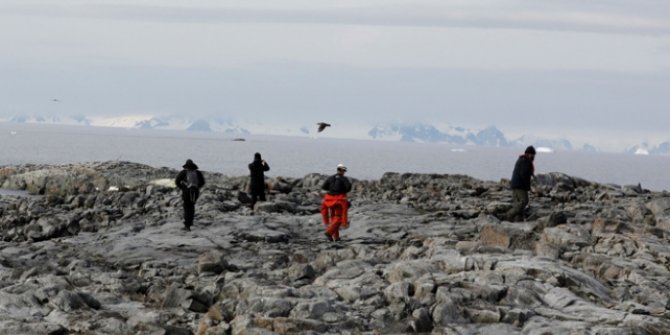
192,179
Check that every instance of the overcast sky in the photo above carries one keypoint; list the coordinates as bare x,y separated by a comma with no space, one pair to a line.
559,68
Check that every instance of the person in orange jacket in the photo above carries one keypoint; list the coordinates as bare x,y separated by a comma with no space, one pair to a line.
335,205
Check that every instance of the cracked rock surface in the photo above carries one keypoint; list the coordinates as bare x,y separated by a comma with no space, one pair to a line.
97,248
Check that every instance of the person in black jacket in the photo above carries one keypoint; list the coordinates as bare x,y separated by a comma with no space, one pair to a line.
521,176
257,183
337,184
189,181
520,183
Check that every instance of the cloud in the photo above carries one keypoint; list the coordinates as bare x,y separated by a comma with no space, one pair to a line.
616,17
516,63
289,92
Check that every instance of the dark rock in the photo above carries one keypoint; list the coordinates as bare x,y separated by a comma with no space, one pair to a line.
68,301
422,321
174,330
301,271
175,297
264,235
197,305
243,197
508,236
90,300
277,206
212,261
281,185
557,218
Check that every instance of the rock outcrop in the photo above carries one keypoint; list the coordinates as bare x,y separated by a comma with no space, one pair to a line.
97,249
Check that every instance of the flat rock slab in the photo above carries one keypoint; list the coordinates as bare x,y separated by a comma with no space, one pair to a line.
264,235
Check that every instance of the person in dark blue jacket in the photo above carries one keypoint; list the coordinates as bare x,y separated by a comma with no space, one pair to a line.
520,183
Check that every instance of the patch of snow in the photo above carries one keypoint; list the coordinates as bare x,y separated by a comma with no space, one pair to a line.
165,182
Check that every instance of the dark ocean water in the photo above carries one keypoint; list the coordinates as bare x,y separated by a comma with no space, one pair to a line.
297,156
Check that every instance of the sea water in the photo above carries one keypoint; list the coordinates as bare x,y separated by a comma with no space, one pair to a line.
295,156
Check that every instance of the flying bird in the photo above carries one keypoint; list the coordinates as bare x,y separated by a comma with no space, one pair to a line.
322,126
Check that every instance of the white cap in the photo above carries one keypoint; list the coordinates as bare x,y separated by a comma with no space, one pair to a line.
341,167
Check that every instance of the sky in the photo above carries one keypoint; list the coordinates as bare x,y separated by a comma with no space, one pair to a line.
591,71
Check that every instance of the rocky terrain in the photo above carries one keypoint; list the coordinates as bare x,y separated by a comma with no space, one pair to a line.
97,249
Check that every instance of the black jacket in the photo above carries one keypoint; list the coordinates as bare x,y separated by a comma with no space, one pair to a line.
337,184
523,171
182,182
256,169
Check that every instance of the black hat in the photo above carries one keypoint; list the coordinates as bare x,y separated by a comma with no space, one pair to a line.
530,150
190,165
257,156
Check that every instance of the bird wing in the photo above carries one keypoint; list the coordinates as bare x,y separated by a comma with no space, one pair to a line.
322,126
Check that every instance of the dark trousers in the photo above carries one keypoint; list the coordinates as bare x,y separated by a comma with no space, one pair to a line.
255,197
189,197
519,203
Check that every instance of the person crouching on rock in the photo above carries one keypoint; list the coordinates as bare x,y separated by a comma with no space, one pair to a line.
189,180
520,183
257,182
335,206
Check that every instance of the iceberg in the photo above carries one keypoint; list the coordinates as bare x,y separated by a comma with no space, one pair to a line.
640,151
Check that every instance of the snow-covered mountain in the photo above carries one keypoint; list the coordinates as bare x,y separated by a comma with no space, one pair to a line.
640,149
662,149
50,119
421,133
418,133
491,137
221,125
588,148
140,121
555,144
648,149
